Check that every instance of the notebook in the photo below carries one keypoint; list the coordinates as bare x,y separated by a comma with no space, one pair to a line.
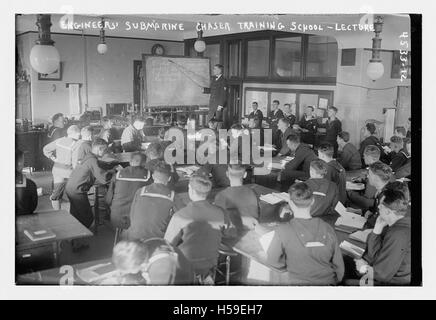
354,186
361,236
349,219
39,234
351,249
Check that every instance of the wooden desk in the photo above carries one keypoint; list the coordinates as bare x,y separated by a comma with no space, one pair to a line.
60,222
59,275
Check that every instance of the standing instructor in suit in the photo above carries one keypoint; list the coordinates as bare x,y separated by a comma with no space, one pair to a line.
218,96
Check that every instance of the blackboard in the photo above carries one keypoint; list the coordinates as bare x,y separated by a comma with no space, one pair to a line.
175,81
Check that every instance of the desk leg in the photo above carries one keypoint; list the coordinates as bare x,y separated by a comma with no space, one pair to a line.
56,253
96,210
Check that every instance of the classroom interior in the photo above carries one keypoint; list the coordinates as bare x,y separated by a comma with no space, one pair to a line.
154,69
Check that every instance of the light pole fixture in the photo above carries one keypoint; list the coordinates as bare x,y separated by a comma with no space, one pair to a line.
44,57
199,44
102,46
375,68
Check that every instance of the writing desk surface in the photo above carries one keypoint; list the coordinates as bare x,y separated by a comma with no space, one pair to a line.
54,275
60,222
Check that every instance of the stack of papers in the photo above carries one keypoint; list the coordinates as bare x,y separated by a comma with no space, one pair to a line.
188,170
354,186
274,198
353,250
348,218
361,236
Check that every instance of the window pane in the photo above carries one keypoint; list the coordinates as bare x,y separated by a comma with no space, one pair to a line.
287,60
234,59
258,58
322,57
213,53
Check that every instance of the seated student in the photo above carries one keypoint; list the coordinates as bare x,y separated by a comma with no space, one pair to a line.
83,177
379,175
325,192
406,170
26,195
307,246
256,116
365,200
400,132
335,172
60,152
239,201
371,140
152,262
122,189
155,154
349,156
197,229
132,136
389,244
152,206
285,129
299,167
83,146
399,155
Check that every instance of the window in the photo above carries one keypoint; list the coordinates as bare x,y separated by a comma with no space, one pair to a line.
348,57
234,59
257,58
213,53
401,65
322,56
287,58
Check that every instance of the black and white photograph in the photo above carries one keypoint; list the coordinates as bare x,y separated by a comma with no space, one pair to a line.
241,150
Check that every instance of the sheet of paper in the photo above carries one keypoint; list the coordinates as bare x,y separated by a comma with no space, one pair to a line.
340,209
257,271
354,186
270,198
265,240
353,222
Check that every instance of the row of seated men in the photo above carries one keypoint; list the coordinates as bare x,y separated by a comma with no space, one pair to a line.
145,206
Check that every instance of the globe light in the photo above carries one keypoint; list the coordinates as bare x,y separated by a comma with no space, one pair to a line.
199,46
102,48
44,58
375,70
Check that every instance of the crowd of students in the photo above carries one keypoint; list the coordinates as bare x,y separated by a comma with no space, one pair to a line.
164,240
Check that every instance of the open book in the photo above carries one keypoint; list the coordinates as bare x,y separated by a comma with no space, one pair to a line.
349,219
351,249
274,198
188,170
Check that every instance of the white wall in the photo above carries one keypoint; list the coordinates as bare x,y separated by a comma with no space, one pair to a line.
110,76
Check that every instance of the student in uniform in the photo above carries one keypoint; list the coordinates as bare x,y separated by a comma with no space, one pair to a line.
400,132
152,262
152,206
406,169
365,200
83,177
26,195
335,172
325,192
285,129
197,229
349,157
60,152
308,126
256,115
239,201
84,145
273,117
297,168
132,136
57,130
399,155
333,127
155,154
122,189
388,251
371,140
306,246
